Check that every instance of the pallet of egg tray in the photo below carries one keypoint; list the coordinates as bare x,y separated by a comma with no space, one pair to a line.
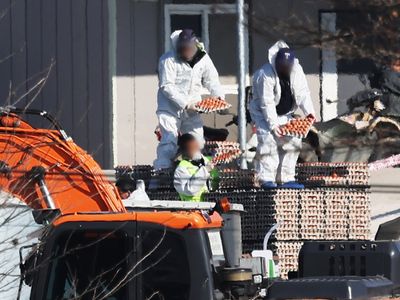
333,174
297,127
288,253
209,105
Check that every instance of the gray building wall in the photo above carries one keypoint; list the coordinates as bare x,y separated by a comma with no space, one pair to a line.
74,36
135,80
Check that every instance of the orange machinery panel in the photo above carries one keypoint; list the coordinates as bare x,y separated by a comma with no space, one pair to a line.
75,181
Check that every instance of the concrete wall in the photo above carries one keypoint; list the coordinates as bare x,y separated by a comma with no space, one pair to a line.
74,36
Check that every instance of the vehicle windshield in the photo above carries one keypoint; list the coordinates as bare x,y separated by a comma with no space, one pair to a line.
164,265
89,265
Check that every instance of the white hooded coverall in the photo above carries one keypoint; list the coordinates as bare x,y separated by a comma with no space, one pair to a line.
277,155
179,86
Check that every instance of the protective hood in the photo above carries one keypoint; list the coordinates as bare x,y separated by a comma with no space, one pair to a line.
273,51
174,38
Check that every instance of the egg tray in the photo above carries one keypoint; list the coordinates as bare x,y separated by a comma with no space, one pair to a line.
222,152
297,127
209,105
226,156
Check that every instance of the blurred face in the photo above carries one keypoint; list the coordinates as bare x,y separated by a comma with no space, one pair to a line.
192,148
396,65
187,52
284,70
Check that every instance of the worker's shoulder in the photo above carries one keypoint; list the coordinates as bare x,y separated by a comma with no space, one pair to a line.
297,67
266,70
168,57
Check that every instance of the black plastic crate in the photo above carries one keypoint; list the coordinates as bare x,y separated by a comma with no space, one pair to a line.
331,288
349,258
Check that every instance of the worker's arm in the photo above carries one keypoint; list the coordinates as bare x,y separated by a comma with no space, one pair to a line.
210,79
167,76
187,184
265,85
302,93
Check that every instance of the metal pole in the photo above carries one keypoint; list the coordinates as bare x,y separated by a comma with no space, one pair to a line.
241,82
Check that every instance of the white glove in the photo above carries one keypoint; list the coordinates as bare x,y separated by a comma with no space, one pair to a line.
277,131
191,107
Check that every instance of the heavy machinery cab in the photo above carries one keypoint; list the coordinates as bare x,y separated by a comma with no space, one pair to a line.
136,255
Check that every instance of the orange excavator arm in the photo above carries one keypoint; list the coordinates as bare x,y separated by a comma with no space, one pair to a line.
47,170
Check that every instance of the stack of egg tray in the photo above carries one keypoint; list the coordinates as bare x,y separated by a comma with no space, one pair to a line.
222,152
317,174
359,215
231,178
168,195
337,214
164,178
311,214
143,172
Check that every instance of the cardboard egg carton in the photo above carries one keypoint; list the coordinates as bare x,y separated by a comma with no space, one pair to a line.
297,127
209,105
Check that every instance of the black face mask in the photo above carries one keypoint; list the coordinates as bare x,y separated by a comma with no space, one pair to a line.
284,71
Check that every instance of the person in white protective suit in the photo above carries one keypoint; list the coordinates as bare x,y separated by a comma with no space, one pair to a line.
183,72
279,88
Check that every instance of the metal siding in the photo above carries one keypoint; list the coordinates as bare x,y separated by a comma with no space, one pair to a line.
35,33
95,86
79,65
49,52
64,63
18,46
34,66
107,102
5,51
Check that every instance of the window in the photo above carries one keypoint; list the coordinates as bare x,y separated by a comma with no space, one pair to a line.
164,265
89,265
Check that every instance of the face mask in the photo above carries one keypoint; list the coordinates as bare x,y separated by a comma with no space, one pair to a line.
197,156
